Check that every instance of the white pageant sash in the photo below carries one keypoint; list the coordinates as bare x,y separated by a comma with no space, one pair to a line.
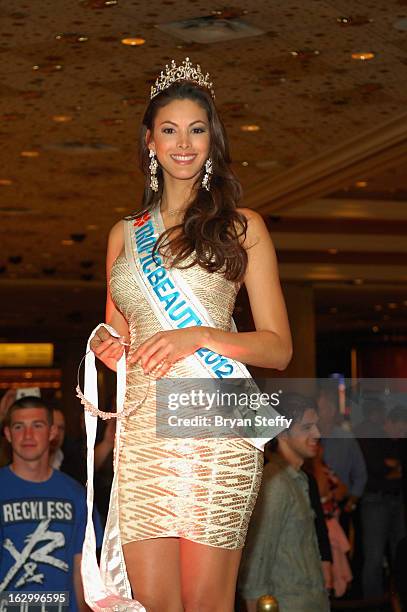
176,306
106,589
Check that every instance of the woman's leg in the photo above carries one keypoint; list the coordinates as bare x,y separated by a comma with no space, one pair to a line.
153,567
208,577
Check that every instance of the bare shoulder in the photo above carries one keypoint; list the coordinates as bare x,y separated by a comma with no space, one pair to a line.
116,236
116,241
116,232
256,227
249,213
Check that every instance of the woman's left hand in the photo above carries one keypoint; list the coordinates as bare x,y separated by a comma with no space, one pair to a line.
159,353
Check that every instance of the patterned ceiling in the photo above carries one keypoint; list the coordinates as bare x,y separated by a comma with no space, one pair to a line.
71,100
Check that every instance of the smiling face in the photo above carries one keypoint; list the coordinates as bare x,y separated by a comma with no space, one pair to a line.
302,438
180,139
29,433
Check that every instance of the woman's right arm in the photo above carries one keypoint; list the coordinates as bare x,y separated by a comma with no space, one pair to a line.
107,348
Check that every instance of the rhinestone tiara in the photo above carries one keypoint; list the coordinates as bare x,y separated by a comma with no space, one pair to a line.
184,72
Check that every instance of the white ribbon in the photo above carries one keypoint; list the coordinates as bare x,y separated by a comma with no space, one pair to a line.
106,589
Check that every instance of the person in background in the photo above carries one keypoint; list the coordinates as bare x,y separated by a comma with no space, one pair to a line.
332,491
382,507
374,416
321,529
7,399
344,457
342,452
42,511
320,524
104,466
281,556
74,462
56,455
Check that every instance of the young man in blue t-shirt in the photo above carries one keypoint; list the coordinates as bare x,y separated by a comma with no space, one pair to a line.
42,512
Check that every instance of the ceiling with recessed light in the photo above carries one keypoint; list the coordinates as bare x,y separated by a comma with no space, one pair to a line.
314,100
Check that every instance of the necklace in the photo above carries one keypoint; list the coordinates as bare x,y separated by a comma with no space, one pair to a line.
171,212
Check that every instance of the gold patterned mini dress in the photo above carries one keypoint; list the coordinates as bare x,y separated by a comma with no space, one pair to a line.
203,490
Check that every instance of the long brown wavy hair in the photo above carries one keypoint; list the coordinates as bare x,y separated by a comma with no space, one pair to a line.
212,228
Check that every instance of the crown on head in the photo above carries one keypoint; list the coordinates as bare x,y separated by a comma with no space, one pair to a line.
184,72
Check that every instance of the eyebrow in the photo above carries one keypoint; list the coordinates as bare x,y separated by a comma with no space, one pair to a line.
30,422
193,122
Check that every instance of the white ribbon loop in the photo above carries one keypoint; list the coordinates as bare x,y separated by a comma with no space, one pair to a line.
107,588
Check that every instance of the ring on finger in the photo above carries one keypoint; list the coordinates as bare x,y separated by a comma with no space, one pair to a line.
159,365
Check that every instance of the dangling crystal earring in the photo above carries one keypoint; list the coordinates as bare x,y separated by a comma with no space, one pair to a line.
206,181
153,171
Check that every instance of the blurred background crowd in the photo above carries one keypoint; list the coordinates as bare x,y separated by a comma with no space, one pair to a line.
355,474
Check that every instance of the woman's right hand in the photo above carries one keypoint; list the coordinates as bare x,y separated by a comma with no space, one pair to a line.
107,348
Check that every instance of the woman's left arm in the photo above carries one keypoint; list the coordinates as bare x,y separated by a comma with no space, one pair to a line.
270,346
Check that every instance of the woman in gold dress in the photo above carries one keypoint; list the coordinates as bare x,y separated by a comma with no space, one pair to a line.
184,505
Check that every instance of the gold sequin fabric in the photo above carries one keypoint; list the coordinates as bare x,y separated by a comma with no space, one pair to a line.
199,489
